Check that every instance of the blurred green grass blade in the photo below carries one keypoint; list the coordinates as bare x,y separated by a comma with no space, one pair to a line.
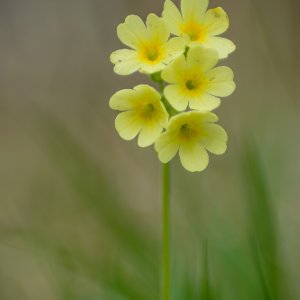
107,274
208,290
205,282
191,277
102,199
262,224
67,291
258,260
91,185
182,283
96,192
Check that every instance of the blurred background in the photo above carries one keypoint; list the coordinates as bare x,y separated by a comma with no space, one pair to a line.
80,208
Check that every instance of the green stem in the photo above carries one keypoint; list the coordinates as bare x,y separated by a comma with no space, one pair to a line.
161,85
166,231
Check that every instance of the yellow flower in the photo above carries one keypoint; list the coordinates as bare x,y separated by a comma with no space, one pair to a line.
198,26
194,81
142,113
192,134
151,49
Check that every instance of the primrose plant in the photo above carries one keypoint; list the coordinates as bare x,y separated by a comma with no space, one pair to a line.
179,51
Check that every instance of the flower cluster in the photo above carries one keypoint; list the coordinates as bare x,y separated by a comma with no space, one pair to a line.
180,51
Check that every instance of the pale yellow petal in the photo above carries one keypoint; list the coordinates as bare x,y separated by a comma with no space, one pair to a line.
151,68
172,17
122,100
149,134
128,125
174,71
193,9
216,21
193,157
207,117
221,82
203,117
204,103
157,28
122,55
174,48
163,115
192,117
176,97
201,59
166,147
129,99
145,90
221,45
214,139
132,31
126,61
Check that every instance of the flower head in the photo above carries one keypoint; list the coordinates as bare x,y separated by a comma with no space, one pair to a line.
142,113
151,47
198,26
192,134
194,80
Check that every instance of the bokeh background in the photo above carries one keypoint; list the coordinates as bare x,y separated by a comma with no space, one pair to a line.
80,208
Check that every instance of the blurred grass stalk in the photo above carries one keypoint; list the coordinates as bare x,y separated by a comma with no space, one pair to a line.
262,225
92,188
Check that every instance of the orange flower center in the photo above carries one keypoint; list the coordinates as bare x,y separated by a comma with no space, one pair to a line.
151,53
194,31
